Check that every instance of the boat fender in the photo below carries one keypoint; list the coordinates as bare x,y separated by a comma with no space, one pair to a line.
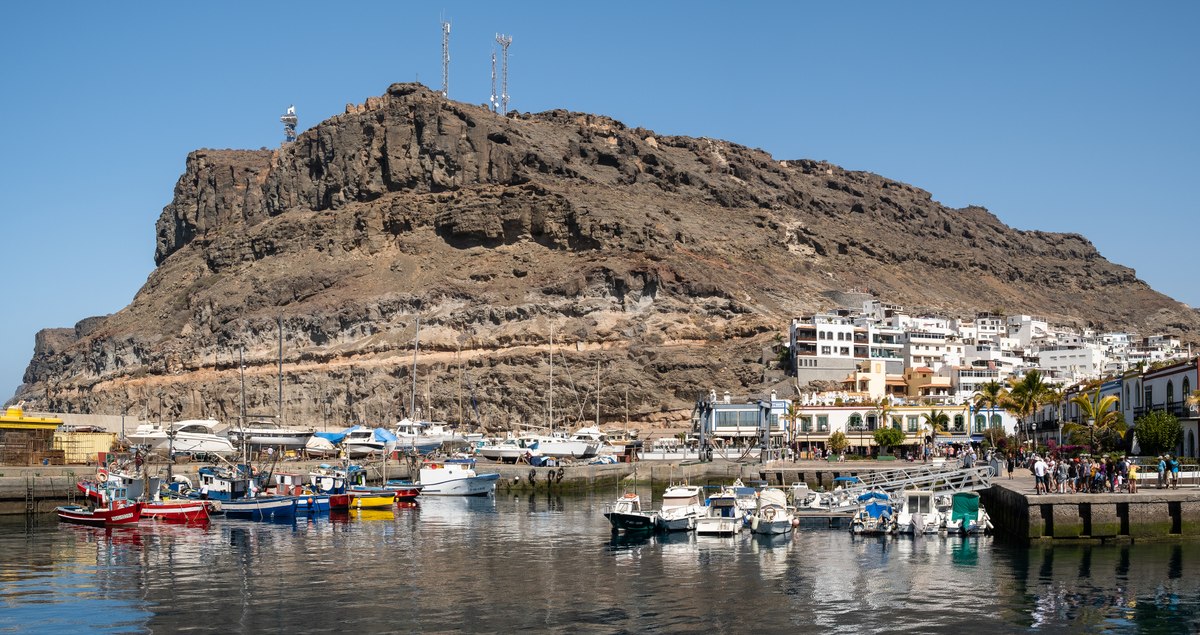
558,476
532,475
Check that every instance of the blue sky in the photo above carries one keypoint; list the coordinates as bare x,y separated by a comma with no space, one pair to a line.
1063,116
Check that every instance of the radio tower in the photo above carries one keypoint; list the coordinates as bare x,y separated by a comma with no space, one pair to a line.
289,124
504,41
445,58
492,101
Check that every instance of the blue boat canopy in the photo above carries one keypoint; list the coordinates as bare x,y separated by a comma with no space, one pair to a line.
385,436
873,496
879,510
846,479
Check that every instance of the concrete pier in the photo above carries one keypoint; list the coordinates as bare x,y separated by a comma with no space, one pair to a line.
1150,514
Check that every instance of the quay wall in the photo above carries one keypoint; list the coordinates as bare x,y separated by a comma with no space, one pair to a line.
1148,515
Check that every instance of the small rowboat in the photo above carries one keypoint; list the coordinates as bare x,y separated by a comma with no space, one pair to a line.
176,511
105,517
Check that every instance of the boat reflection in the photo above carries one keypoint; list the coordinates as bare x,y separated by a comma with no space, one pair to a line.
375,514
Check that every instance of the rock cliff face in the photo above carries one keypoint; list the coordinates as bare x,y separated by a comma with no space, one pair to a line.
663,264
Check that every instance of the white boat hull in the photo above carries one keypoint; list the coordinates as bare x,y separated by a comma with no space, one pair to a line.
481,485
771,527
718,526
184,443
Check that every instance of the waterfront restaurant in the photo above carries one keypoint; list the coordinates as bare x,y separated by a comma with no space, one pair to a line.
859,421
724,423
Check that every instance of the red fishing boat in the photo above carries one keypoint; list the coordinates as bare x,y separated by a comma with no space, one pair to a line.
176,511
116,514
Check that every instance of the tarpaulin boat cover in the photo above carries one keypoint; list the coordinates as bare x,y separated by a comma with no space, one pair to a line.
873,496
965,506
879,510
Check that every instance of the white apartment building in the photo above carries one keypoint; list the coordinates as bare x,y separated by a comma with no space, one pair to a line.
931,350
1072,363
1025,328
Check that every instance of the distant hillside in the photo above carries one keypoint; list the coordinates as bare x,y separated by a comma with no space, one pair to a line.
669,261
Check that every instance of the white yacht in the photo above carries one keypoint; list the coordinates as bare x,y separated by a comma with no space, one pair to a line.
455,477
772,516
361,442
424,436
681,507
595,437
192,436
567,447
918,514
509,450
723,516
266,433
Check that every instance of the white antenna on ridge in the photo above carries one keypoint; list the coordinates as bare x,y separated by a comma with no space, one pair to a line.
445,58
504,41
289,121
492,101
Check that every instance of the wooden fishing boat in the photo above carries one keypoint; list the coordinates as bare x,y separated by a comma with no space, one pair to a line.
116,514
176,511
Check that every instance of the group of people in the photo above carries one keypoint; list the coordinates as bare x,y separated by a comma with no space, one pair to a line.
1064,475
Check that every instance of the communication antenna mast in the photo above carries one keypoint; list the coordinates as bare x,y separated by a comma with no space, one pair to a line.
492,101
289,124
445,58
504,41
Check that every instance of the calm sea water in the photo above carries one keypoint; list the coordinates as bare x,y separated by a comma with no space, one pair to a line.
549,564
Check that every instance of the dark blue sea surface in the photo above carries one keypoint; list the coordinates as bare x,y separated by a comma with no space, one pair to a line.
550,564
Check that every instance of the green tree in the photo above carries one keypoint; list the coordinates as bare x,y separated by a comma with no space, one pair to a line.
989,396
838,442
1157,431
888,437
996,437
1107,423
1026,395
935,421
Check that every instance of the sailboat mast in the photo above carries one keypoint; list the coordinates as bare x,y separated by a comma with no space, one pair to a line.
242,417
552,378
279,406
412,404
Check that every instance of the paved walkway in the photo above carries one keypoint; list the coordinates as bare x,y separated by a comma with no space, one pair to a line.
1022,482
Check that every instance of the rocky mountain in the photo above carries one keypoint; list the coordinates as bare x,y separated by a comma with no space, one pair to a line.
662,265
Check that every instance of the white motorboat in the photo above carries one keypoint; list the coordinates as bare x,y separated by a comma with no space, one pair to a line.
360,441
772,516
918,514
681,507
318,446
264,434
566,447
192,436
626,513
964,515
424,437
455,477
723,515
509,450
594,436
875,517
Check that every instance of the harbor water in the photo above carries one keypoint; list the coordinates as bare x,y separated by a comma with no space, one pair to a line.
550,564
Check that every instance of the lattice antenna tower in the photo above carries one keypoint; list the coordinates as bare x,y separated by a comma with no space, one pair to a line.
503,41
289,121
445,58
492,101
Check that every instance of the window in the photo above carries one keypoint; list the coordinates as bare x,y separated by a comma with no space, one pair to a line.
1170,391
1148,397
997,421
958,423
806,424
912,423
824,350
727,419
898,423
748,418
872,421
1187,388
980,423
822,423
855,422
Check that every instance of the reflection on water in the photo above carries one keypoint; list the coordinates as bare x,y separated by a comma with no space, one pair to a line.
549,563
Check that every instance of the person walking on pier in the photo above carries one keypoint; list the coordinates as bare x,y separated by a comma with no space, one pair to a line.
1063,473
1173,464
1133,477
1012,465
1162,471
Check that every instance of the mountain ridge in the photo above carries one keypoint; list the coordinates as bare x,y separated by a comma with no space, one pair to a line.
671,261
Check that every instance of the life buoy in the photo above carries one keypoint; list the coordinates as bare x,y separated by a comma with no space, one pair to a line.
631,495
102,475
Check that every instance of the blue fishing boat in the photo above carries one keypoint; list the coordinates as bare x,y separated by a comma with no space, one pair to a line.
265,508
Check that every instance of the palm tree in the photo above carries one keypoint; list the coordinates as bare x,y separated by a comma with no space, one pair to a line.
1100,411
883,406
989,395
792,414
1026,395
936,420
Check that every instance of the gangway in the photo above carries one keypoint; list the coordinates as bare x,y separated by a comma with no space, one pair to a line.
937,479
